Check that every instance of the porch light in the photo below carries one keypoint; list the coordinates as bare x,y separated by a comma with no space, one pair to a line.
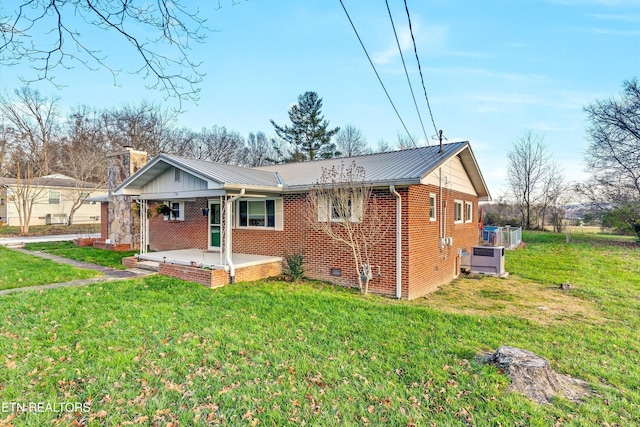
205,212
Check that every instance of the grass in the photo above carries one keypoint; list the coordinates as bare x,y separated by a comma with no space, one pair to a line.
88,254
157,350
44,230
18,270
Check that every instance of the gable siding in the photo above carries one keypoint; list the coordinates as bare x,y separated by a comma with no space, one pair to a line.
454,177
166,183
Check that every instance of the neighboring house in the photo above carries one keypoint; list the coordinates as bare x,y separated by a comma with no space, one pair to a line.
261,211
53,197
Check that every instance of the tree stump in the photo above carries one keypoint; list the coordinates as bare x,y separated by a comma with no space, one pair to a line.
532,376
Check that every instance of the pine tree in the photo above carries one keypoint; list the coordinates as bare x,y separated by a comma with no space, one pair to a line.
308,133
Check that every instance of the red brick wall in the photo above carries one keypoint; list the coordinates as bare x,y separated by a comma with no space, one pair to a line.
429,265
321,253
425,265
215,278
190,233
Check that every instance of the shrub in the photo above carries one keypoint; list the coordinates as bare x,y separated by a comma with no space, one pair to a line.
294,266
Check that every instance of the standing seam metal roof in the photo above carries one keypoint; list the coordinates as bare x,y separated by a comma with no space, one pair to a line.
404,165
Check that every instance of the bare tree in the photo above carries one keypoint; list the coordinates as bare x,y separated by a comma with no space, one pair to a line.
144,127
383,146
526,170
406,141
159,33
259,151
351,142
26,192
31,121
217,144
552,183
613,156
84,156
344,207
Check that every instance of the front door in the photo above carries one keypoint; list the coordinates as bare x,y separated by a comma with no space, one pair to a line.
215,224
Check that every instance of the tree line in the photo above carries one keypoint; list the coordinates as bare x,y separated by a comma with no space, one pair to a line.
539,193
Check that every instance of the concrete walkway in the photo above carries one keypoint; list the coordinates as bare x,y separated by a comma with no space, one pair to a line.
22,240
110,274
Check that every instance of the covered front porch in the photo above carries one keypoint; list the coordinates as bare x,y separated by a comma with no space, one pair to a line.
207,259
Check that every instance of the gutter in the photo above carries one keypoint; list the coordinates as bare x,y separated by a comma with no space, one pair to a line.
393,191
227,235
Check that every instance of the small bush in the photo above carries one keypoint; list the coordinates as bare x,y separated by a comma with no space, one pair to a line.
294,266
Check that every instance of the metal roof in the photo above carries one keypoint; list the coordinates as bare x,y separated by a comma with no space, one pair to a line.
403,167
57,181
398,166
220,173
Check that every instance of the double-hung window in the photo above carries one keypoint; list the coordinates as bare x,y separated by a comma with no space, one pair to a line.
177,211
457,211
54,197
262,213
432,207
468,211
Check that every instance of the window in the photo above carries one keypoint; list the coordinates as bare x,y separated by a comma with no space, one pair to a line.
260,213
468,211
177,175
335,211
457,210
432,207
177,211
54,197
340,212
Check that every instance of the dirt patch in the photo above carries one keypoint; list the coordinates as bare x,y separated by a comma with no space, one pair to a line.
513,296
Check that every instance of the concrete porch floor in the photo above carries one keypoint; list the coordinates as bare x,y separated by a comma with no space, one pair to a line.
206,258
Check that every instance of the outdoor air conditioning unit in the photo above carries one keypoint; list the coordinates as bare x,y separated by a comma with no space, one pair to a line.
55,219
488,260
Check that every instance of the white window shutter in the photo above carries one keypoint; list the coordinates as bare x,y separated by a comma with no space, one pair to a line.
323,208
279,214
357,209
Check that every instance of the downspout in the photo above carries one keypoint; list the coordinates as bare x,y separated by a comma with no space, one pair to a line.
393,191
227,235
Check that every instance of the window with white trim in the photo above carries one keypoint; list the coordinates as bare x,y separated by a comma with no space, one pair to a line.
177,211
336,210
260,213
468,211
432,207
457,211
54,197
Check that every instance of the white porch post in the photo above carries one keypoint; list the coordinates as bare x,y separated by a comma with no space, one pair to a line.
227,225
144,226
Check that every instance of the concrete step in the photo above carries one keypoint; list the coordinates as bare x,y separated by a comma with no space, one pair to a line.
148,265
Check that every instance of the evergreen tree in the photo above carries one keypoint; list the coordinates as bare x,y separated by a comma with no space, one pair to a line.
308,133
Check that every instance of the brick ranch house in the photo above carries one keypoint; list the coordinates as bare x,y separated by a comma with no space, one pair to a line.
222,213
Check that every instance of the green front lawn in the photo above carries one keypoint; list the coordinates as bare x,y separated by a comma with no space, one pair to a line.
157,351
18,270
88,254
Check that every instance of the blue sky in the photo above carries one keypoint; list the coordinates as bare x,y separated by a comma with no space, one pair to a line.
492,70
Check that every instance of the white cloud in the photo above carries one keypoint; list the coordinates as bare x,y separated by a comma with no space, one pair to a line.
428,40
